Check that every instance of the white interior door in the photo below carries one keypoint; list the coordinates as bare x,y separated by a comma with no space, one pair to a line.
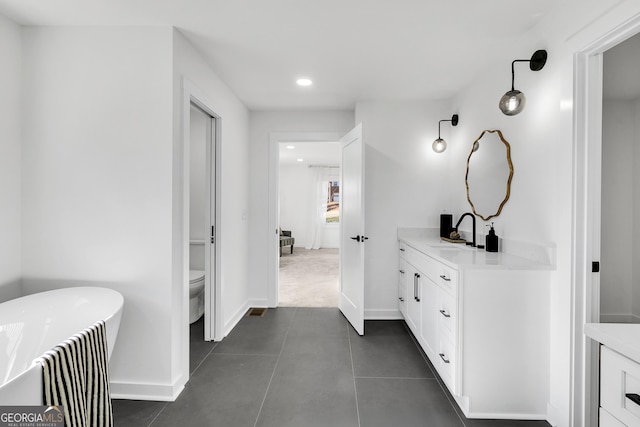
352,235
210,240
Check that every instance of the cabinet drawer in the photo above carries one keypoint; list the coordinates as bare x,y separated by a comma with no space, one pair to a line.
446,363
447,278
402,299
421,262
619,378
448,316
608,420
403,251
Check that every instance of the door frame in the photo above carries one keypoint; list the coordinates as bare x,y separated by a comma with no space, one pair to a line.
275,138
587,159
213,300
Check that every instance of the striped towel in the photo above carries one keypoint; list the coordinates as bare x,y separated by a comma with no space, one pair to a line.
75,375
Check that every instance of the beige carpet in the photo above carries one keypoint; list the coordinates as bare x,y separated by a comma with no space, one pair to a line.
309,278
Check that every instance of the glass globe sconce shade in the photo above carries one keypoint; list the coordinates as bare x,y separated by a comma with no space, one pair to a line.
439,145
513,101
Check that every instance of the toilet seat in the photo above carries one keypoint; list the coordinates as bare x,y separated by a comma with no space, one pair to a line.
195,276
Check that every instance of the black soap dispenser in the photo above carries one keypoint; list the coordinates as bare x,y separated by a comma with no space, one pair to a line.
491,240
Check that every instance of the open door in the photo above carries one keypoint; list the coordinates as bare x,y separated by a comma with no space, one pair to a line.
352,237
210,240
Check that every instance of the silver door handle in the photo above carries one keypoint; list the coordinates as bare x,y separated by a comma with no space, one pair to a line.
444,359
444,313
445,278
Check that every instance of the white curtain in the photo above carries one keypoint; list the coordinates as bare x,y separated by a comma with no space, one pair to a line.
318,208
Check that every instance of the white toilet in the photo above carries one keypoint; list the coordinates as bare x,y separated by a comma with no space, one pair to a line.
196,295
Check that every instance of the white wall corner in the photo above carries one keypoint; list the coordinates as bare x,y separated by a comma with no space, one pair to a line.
553,415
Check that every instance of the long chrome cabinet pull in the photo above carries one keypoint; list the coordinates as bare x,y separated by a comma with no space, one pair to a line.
416,279
444,313
444,359
445,278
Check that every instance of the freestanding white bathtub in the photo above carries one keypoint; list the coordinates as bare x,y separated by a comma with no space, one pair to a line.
33,324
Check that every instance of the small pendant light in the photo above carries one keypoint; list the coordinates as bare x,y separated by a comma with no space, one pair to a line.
513,101
439,145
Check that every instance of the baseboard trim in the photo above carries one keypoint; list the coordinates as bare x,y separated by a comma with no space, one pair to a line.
383,314
506,416
141,391
236,317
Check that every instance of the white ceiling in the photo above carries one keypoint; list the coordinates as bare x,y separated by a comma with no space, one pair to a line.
352,49
622,70
312,153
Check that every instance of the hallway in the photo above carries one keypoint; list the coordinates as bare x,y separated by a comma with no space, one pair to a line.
306,367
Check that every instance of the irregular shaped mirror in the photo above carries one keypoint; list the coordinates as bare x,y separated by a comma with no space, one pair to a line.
489,174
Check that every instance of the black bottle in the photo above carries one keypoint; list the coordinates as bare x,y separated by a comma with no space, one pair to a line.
446,222
491,240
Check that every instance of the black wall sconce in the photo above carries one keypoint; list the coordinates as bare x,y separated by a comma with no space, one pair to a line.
439,145
513,101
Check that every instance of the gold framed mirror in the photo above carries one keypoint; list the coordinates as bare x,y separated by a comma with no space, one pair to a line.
489,174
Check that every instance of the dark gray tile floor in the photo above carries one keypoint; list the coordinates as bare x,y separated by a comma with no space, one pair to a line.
306,367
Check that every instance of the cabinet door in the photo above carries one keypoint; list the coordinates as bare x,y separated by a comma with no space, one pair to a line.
429,301
413,299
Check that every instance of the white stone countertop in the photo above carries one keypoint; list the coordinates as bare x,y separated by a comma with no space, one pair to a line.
621,337
459,255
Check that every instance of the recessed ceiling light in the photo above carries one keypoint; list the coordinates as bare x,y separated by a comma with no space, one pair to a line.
304,82
300,160
291,147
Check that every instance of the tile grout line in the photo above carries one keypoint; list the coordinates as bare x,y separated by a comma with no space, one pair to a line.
435,374
396,378
353,372
206,356
190,374
158,414
275,367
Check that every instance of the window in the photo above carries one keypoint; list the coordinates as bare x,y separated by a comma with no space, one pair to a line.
333,201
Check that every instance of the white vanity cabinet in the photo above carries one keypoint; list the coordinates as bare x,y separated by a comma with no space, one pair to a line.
619,372
484,328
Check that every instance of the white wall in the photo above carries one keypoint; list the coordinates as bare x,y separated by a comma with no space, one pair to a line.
297,199
10,159
197,188
297,192
263,123
540,208
406,185
103,193
617,232
97,173
198,175
233,235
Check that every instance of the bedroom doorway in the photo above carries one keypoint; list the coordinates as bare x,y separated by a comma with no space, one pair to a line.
309,223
